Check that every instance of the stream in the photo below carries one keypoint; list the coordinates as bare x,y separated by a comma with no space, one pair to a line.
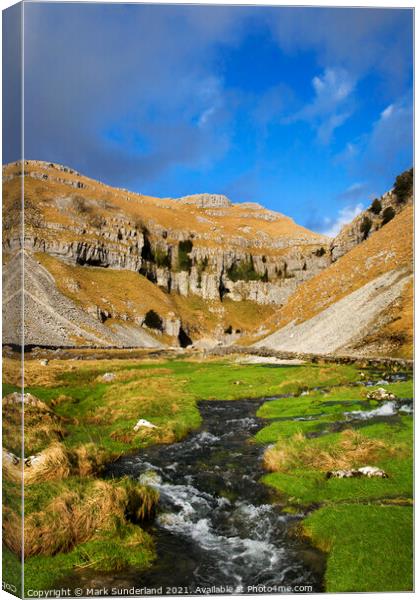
218,529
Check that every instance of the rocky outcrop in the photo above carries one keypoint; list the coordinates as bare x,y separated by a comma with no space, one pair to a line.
381,211
206,200
343,323
361,304
194,256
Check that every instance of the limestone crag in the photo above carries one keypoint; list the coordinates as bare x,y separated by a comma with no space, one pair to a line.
381,211
206,200
207,261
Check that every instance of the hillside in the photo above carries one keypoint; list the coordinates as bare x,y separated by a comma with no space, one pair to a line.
362,303
211,271
107,267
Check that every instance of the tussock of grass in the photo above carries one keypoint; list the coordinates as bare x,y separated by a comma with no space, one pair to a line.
42,426
126,547
52,463
353,449
76,511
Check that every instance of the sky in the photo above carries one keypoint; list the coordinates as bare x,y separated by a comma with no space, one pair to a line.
307,111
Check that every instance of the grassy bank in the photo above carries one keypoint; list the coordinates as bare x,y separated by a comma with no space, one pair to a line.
364,524
81,415
84,416
104,413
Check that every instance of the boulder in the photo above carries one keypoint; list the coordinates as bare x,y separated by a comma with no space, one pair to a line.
106,377
380,394
361,472
372,472
144,423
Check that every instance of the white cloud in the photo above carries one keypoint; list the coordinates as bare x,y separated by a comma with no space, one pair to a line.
387,112
205,116
332,87
345,215
388,144
354,192
331,106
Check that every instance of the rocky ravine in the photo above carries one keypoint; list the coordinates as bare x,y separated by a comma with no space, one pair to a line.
200,246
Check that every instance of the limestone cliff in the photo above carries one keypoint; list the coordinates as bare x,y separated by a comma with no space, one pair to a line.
201,244
108,267
197,246
380,212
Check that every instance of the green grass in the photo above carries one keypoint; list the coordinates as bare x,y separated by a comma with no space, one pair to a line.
113,551
402,389
365,525
166,393
12,571
334,402
310,487
105,414
370,548
285,429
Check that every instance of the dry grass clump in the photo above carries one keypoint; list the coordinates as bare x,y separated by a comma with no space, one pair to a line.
353,449
138,398
55,462
12,529
52,463
77,515
87,459
41,425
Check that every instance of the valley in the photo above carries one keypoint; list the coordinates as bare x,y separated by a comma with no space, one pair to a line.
117,505
109,268
198,375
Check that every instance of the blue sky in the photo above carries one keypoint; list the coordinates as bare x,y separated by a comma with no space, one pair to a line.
305,110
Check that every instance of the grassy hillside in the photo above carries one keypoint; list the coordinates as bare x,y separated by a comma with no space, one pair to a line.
129,296
387,249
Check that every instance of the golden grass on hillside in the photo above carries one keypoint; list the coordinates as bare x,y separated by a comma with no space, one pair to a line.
230,223
353,450
104,288
389,248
